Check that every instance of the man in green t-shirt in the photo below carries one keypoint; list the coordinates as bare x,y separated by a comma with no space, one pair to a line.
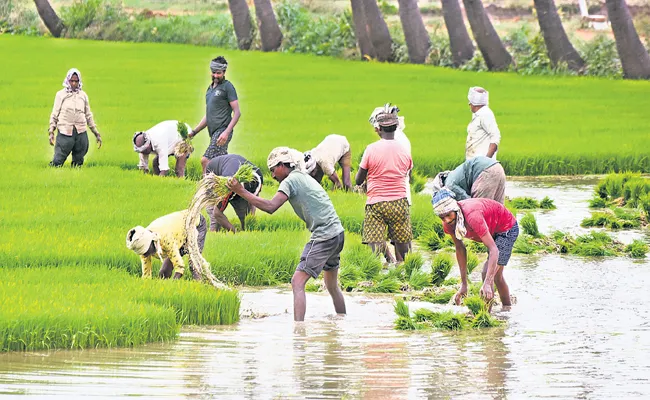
312,204
221,112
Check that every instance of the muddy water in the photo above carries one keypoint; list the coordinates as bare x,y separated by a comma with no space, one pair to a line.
580,329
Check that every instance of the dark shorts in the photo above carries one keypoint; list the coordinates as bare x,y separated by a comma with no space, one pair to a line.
319,256
505,241
215,150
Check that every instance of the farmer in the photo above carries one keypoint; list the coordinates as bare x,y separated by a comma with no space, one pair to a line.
227,165
311,203
165,239
485,221
385,165
71,116
483,134
221,112
478,177
322,159
161,140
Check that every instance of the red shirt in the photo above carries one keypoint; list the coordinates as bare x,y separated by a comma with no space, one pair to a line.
483,216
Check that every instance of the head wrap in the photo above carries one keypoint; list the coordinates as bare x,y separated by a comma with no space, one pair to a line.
139,240
147,141
478,96
443,202
310,162
386,109
439,181
217,66
66,81
286,155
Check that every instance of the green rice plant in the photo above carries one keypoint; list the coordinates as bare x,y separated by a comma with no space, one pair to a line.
635,188
472,261
349,277
402,309
360,255
547,204
425,315
431,240
398,272
597,202
313,286
592,249
418,181
484,320
405,324
594,237
524,203
475,304
385,285
644,204
451,281
419,279
440,298
637,249
451,321
475,247
412,262
440,267
599,219
633,216
529,225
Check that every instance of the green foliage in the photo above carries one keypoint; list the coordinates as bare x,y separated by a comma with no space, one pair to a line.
523,245
386,285
529,225
475,247
431,240
418,181
402,309
312,286
597,202
418,280
601,57
424,315
472,261
450,321
451,281
405,324
412,262
547,204
484,320
475,304
524,203
637,249
386,8
349,277
440,298
440,268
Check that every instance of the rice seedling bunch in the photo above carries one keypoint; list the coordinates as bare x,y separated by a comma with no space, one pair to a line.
425,315
450,321
431,240
599,219
440,298
386,285
405,324
475,304
363,258
529,225
472,261
451,281
184,147
631,216
637,249
644,204
349,277
397,272
440,268
313,286
475,247
418,181
592,249
597,202
547,204
402,309
524,203
412,262
419,280
484,320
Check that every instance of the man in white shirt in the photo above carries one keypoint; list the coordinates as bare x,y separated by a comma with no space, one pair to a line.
322,161
483,135
160,140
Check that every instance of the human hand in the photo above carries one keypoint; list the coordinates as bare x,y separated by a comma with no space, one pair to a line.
234,186
486,292
99,141
223,138
51,138
462,293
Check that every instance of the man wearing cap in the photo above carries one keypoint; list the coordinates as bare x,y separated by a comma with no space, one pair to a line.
165,239
483,135
311,203
161,140
227,165
322,159
221,112
385,165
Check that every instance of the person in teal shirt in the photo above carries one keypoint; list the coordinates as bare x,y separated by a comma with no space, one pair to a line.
478,177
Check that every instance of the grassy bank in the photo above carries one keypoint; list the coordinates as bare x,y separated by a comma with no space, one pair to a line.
77,308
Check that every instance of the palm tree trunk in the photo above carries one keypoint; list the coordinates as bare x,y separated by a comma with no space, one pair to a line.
241,20
462,48
268,25
494,52
415,34
558,45
378,31
361,30
49,17
634,56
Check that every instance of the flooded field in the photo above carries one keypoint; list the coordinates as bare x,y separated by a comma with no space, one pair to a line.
580,329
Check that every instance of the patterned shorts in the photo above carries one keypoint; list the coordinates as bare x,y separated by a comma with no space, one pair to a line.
505,241
392,215
214,149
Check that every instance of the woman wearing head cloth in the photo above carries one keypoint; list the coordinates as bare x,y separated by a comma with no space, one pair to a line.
71,116
485,221
483,135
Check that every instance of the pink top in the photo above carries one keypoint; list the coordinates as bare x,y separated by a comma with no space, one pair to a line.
483,216
388,163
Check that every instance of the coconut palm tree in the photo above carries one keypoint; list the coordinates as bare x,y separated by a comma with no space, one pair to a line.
634,56
558,45
462,48
494,52
49,17
361,30
268,25
378,31
415,34
241,20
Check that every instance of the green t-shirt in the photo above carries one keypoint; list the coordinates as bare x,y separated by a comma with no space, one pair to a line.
217,105
312,205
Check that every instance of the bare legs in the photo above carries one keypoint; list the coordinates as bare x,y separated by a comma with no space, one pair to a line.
298,282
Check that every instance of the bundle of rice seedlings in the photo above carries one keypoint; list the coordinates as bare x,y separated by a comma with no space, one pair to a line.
313,286
431,240
412,262
211,190
484,320
369,265
405,324
600,219
419,279
547,204
475,247
386,285
592,249
184,147
440,298
425,315
417,181
349,277
524,203
397,272
451,281
450,321
597,202
523,245
472,261
440,268
637,249
475,304
402,309
529,225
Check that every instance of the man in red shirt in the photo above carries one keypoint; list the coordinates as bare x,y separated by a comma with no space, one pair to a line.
386,164
485,221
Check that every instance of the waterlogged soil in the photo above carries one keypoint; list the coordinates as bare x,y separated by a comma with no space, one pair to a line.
580,329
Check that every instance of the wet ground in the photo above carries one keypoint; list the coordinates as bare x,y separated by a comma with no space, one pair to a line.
580,329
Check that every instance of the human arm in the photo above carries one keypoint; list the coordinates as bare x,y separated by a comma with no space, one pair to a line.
268,206
222,220
144,162
493,149
236,113
91,122
362,174
461,257
487,291
335,180
489,124
199,127
54,117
